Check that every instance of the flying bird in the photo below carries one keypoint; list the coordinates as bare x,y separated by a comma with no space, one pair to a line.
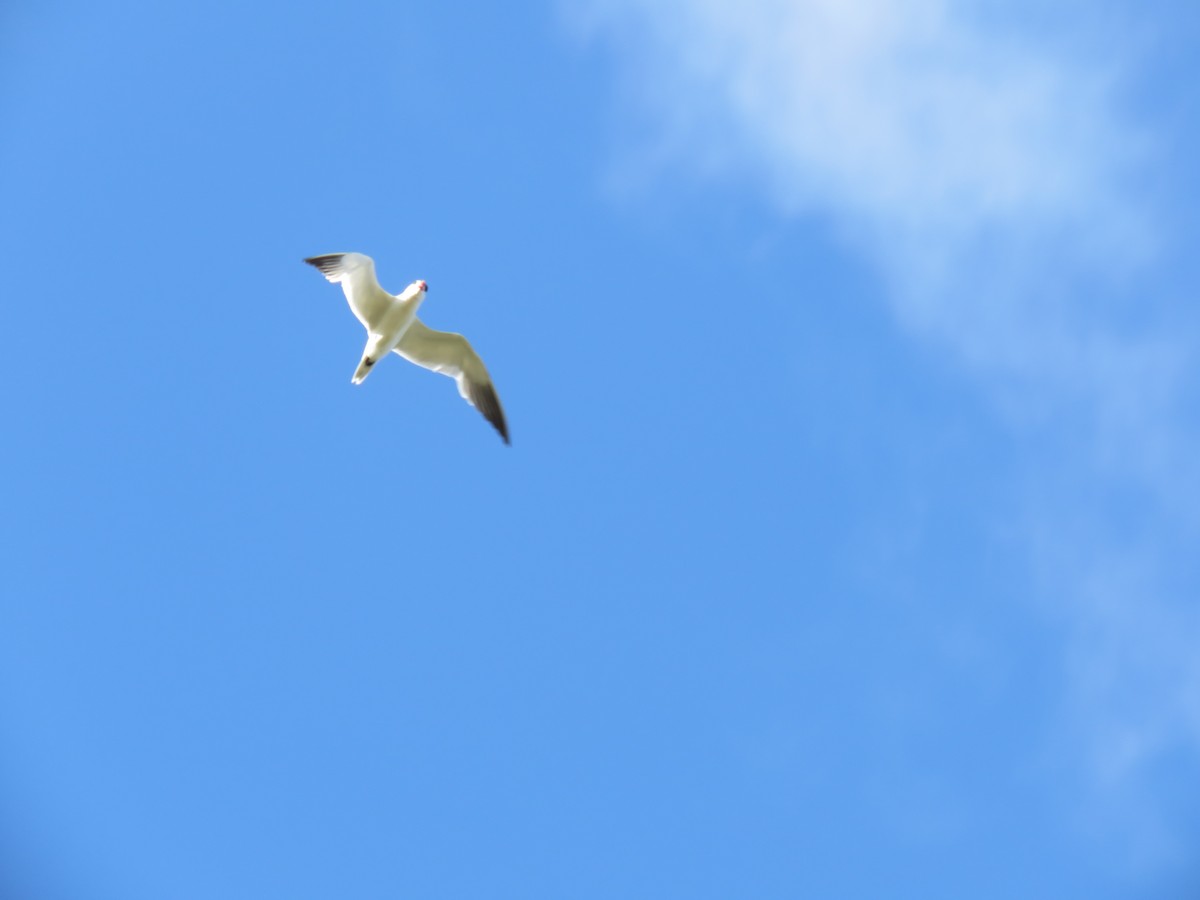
392,326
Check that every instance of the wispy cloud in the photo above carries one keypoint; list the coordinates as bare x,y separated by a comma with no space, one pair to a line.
897,113
933,144
987,169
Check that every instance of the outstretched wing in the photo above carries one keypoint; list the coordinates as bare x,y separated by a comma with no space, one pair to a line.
356,273
450,354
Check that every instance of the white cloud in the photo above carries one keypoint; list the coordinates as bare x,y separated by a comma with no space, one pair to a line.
934,145
985,167
898,113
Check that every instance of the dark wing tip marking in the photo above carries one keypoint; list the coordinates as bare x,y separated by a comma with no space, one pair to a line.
327,263
484,399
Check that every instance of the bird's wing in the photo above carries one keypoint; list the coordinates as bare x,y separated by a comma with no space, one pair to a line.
450,354
356,273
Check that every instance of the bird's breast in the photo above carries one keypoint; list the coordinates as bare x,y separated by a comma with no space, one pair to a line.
393,325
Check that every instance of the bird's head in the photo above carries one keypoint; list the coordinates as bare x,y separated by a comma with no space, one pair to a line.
415,291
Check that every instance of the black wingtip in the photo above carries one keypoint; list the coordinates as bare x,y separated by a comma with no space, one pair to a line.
497,420
326,261
484,399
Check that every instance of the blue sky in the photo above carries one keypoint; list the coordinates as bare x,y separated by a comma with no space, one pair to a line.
845,547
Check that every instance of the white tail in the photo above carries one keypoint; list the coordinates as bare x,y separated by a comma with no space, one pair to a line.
363,370
371,356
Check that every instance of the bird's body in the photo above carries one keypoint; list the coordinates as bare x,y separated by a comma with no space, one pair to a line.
392,325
